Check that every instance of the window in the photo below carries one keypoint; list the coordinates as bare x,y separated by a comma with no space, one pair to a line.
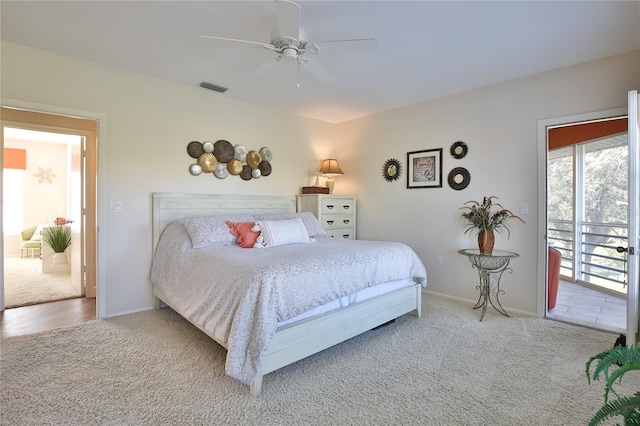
13,207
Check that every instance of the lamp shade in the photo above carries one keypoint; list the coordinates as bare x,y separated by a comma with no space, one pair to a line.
330,167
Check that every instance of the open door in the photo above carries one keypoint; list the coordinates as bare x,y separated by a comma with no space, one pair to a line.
634,210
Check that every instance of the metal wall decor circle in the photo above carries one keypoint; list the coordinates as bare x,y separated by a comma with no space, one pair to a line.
208,162
195,169
459,150
208,147
253,159
391,170
221,171
223,151
194,149
459,178
266,154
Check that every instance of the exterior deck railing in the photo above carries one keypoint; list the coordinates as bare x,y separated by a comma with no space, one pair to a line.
599,261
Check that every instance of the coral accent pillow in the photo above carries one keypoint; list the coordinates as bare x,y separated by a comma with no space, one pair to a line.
242,230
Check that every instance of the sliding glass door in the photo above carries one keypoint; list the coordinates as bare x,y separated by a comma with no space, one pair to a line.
588,210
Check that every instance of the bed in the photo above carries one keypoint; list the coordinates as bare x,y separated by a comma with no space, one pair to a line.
270,307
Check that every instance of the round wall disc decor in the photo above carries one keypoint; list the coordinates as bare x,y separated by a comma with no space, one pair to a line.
459,178
194,149
459,150
391,170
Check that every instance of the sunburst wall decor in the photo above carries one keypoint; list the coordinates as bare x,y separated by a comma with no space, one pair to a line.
391,170
44,175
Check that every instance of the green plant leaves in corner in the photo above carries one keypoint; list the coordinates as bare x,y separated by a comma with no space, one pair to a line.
623,359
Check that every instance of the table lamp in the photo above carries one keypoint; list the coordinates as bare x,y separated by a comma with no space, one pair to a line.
330,168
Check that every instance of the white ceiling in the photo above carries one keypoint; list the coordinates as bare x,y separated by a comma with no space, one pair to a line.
426,49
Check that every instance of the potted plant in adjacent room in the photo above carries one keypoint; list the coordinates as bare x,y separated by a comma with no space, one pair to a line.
58,237
486,218
624,359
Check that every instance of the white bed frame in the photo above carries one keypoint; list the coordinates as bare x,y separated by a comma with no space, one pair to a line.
301,339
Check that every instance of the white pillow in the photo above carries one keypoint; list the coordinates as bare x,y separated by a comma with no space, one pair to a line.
280,232
212,230
37,234
314,228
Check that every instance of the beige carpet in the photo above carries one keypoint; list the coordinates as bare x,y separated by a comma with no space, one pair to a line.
25,284
154,368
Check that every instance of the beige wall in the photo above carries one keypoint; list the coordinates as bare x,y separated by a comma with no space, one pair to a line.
499,124
149,123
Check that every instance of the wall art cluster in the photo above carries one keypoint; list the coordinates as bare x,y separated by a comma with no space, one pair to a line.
424,168
223,159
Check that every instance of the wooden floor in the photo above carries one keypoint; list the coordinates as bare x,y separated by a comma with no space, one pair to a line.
46,316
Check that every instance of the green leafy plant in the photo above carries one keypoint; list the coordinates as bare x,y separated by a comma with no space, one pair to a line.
58,237
487,216
623,359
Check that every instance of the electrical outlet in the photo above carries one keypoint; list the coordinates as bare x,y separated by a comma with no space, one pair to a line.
524,208
439,260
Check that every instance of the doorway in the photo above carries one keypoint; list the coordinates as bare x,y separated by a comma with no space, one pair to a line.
41,214
586,222
75,214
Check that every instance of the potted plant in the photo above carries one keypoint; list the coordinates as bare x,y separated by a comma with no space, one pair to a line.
485,218
625,359
58,237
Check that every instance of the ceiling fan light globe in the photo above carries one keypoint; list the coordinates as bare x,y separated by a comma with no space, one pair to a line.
290,52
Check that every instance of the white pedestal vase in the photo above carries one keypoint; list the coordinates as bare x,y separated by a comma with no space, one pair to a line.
54,263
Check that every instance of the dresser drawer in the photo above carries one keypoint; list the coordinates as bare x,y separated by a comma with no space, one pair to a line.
346,233
334,221
337,205
336,213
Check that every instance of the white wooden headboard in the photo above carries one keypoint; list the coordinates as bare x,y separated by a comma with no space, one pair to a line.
168,207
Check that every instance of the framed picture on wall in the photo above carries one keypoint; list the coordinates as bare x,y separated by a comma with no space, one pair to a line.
424,169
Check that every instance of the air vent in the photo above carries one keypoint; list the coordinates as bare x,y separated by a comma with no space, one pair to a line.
213,87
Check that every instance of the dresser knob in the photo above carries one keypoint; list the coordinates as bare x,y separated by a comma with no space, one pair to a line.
330,207
330,222
346,236
346,221
346,207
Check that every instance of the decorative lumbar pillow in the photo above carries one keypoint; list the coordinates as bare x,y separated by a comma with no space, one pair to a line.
37,234
314,228
242,230
212,230
280,232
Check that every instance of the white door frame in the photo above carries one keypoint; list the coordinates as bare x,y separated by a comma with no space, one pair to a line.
633,263
541,308
101,204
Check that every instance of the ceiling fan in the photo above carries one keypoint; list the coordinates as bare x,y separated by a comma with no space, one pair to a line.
289,42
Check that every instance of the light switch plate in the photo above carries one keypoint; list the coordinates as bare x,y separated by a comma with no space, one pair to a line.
115,206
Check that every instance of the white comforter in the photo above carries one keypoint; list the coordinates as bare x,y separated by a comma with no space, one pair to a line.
239,295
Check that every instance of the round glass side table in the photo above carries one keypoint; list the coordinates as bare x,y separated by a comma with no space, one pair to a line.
489,266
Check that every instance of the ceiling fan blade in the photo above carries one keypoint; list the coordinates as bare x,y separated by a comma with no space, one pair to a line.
266,66
288,14
318,71
355,45
235,40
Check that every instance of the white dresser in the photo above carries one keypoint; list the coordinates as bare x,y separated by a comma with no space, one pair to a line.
336,213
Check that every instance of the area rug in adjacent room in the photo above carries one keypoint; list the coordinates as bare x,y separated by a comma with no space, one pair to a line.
25,284
448,368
